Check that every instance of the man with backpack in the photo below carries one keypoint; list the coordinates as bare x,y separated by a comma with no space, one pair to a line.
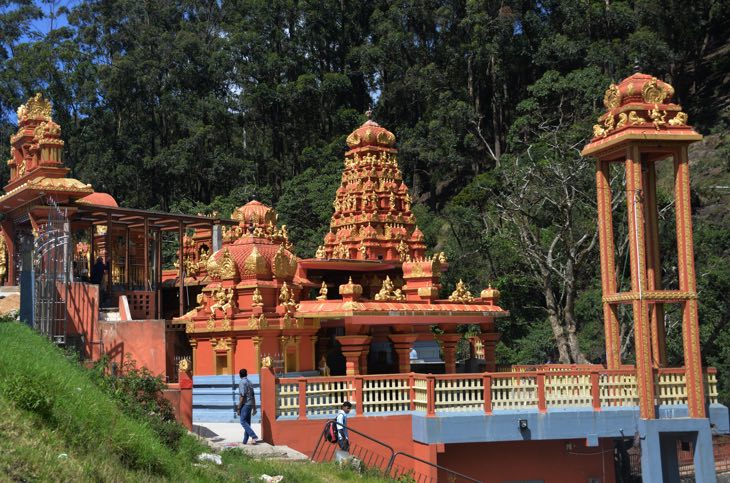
342,437
246,406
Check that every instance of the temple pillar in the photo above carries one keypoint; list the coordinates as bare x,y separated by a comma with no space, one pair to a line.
608,264
489,342
402,345
653,266
355,348
640,307
688,285
448,344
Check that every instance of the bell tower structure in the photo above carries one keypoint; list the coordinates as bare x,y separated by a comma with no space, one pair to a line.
640,129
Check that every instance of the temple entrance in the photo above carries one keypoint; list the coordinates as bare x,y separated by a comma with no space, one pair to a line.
51,266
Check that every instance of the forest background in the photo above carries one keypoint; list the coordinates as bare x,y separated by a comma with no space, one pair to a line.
199,106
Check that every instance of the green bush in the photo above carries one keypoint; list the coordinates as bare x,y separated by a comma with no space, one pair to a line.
29,394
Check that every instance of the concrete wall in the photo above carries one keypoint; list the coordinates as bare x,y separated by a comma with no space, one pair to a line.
545,461
143,340
82,304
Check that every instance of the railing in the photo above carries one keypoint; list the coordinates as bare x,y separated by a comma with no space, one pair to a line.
376,455
594,388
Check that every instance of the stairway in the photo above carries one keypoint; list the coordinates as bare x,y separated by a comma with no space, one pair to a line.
215,398
109,314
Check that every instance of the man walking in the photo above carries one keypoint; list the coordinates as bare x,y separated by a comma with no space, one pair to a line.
246,406
343,438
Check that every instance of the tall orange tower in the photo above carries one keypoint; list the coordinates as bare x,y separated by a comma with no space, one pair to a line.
640,129
373,218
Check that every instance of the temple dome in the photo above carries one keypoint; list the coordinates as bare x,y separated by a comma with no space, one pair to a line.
101,199
258,258
370,134
638,87
256,212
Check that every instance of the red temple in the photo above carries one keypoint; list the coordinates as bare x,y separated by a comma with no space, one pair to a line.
346,324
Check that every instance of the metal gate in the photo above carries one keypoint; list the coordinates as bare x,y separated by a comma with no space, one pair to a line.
51,266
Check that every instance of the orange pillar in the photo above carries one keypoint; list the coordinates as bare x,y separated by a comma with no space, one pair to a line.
688,284
402,344
489,342
653,266
449,342
635,200
608,264
268,403
186,398
355,348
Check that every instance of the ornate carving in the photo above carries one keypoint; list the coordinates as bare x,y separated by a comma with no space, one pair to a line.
213,268
612,97
623,119
283,266
200,299
210,325
183,365
680,119
220,344
657,117
257,300
389,292
255,264
37,108
461,294
266,361
403,251
286,298
223,300
321,252
635,119
226,324
653,93
322,292
227,266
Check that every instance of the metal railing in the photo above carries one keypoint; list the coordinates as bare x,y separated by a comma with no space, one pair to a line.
383,459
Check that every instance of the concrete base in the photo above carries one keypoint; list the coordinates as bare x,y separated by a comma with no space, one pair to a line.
659,438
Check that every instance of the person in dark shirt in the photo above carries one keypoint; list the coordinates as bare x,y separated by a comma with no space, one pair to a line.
246,406
97,271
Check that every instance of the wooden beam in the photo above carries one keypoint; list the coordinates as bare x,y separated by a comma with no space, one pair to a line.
146,276
181,265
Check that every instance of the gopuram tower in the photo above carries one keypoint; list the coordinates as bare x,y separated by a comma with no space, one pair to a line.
373,218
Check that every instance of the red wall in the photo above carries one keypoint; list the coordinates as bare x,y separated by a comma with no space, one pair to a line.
144,340
547,461
82,304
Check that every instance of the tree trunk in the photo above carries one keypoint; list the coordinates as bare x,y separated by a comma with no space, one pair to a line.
558,331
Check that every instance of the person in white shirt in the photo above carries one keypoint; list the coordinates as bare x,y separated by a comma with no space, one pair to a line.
342,437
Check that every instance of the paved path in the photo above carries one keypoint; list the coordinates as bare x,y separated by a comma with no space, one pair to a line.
230,435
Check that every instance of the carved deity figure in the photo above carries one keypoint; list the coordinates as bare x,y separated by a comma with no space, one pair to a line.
461,294
389,292
657,117
321,252
257,300
322,292
223,300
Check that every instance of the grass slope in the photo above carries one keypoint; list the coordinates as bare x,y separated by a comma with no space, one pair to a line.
58,425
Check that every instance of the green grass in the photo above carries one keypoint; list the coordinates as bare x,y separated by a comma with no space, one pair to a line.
58,425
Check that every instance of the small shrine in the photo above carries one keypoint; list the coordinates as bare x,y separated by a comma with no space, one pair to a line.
369,294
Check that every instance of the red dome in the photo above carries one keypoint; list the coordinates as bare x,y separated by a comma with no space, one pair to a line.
255,212
371,134
259,258
101,199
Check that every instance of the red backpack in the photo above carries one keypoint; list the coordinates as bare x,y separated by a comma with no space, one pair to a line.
330,431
